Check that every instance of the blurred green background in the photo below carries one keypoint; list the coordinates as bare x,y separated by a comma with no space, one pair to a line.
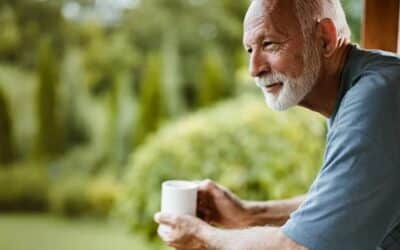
102,100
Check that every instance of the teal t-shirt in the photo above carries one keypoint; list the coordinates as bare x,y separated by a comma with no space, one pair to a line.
354,202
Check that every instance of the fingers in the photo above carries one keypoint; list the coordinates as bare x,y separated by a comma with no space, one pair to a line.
205,214
166,219
207,185
164,232
181,231
208,191
168,226
212,188
174,221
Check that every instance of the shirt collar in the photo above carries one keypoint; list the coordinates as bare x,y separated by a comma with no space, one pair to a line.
348,77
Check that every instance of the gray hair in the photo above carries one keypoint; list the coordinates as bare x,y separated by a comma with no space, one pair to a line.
308,11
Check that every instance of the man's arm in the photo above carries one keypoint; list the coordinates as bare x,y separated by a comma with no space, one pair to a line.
256,238
273,213
190,233
220,207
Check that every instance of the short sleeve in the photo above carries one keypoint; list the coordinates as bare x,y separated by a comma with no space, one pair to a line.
346,204
352,201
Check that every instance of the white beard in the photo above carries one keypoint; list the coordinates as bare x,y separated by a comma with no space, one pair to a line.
293,90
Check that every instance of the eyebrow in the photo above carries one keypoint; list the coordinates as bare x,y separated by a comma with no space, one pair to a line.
263,35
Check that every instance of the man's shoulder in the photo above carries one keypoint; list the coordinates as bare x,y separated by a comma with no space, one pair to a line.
363,64
373,97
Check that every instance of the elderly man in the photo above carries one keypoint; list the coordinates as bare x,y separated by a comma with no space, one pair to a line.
300,54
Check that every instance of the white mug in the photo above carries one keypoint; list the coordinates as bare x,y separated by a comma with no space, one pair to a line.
178,197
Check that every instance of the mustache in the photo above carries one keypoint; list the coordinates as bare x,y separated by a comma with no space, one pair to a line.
269,79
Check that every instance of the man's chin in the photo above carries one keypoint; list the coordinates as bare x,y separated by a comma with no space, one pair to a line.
277,105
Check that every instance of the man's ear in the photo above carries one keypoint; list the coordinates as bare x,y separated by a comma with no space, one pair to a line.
327,34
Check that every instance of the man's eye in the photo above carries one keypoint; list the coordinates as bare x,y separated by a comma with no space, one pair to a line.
270,45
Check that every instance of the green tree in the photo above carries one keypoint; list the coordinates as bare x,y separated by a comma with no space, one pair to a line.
50,135
212,84
7,153
353,11
151,103
184,31
10,35
22,22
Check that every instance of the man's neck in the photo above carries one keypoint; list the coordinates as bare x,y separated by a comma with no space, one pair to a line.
324,95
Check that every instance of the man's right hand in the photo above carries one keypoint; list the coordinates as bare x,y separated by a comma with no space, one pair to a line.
219,207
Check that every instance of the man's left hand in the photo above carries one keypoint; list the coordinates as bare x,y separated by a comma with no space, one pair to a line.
184,232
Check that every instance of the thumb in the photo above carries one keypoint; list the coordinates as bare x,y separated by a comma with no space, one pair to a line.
165,218
208,186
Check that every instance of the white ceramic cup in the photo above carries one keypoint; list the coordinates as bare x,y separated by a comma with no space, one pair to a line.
178,197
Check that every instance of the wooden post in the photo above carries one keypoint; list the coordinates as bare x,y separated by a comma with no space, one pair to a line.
398,33
381,24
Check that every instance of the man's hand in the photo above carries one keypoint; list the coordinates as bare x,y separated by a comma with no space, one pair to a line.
185,232
189,233
218,206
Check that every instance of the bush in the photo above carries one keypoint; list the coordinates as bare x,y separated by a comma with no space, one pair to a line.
80,196
24,187
39,186
50,134
257,153
68,197
102,195
151,102
7,153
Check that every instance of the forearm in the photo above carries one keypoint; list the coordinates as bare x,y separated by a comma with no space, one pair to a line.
274,213
256,238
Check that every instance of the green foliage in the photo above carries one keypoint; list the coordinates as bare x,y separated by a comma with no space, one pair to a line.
353,11
24,187
19,87
10,35
50,137
102,195
28,186
212,84
117,57
151,102
7,153
171,74
68,197
76,196
258,153
23,22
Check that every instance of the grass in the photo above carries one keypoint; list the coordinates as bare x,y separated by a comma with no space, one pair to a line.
44,232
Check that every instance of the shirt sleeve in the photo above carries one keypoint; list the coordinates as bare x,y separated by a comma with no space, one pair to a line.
339,210
348,207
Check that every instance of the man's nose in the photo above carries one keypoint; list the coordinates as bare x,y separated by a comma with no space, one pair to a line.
258,65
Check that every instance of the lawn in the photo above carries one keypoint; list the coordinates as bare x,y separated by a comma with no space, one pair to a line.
43,232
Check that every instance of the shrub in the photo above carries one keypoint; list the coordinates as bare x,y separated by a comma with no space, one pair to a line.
7,153
102,195
50,134
213,84
257,153
24,187
79,196
68,197
151,103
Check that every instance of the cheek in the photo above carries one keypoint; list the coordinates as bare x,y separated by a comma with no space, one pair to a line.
290,64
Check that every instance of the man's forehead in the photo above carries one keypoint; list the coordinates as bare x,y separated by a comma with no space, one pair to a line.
263,8
258,9
279,14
